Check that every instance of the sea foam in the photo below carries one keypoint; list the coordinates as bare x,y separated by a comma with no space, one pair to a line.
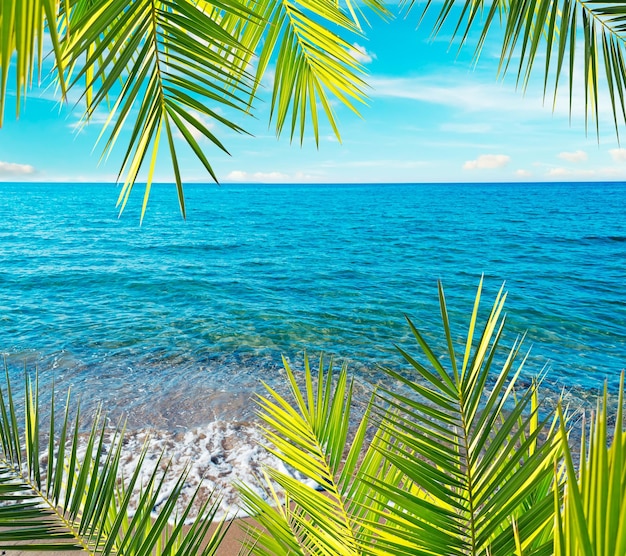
215,457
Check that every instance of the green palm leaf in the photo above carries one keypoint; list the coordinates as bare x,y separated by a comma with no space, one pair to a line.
23,24
164,64
554,34
310,434
312,61
80,502
458,463
477,479
591,515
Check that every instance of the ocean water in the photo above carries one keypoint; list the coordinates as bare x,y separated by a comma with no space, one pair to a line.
176,323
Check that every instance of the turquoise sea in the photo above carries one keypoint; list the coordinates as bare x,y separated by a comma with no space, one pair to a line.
176,322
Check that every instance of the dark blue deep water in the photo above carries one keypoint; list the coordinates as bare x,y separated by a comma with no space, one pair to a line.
179,320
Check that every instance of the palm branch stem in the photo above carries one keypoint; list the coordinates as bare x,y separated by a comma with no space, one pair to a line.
601,21
469,477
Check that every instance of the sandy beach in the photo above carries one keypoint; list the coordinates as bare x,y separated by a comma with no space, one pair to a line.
230,546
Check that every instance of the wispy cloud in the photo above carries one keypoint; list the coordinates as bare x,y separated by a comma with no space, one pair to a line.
583,174
374,163
576,156
521,173
98,118
360,54
257,177
487,161
471,128
619,155
466,94
15,170
476,93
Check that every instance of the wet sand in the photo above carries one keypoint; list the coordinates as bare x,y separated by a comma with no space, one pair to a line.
230,546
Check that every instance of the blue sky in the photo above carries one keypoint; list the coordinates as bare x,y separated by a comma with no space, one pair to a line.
431,116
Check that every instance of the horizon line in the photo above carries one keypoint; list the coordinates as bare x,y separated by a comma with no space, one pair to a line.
193,182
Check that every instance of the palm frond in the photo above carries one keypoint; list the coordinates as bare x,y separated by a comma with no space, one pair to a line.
166,65
313,62
310,434
553,34
23,24
591,514
477,478
459,463
78,502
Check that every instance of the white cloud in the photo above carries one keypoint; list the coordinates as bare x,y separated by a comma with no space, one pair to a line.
619,155
578,173
237,175
375,163
14,169
99,118
466,128
487,161
523,173
470,92
270,176
360,54
576,156
256,177
195,133
303,176
559,172
465,93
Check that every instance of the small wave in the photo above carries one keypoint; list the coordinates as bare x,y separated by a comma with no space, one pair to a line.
196,248
217,456
606,239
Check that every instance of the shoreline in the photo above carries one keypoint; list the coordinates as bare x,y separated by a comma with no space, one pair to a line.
213,454
223,452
